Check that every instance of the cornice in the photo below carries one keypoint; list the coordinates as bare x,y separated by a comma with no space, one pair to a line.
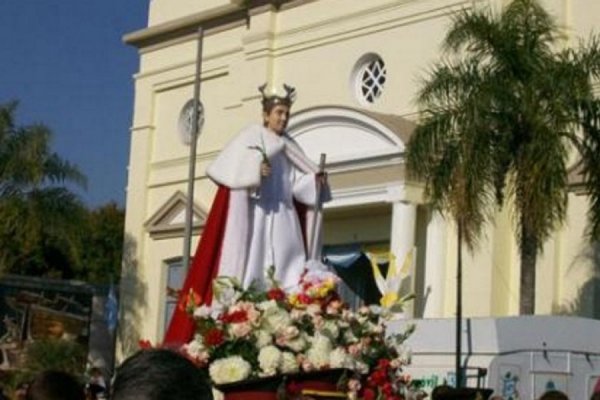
211,20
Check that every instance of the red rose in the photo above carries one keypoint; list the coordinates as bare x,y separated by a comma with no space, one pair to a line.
369,394
383,363
387,389
378,377
276,294
235,317
304,298
214,337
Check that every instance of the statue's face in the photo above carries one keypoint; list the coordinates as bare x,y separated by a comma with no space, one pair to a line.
277,118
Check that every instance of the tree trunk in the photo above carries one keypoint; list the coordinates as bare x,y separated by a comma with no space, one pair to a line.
458,353
529,248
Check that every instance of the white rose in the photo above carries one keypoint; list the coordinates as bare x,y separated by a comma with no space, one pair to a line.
240,330
289,364
330,329
297,314
196,350
265,305
263,338
319,352
297,344
313,309
340,359
202,312
269,359
361,367
404,354
275,318
230,369
349,337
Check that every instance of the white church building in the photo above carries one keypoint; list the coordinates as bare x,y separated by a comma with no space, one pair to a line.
356,65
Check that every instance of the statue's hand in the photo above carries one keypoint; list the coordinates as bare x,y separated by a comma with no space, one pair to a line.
265,170
322,178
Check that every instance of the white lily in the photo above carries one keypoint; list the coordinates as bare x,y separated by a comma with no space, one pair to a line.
389,287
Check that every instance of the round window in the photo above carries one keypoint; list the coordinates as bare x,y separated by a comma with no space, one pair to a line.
369,78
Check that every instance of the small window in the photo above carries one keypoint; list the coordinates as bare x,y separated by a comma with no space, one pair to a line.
368,79
175,278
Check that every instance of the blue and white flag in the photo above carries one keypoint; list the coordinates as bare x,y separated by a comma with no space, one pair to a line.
111,309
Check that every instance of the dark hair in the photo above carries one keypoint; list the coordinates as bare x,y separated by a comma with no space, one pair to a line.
554,395
268,103
159,374
55,385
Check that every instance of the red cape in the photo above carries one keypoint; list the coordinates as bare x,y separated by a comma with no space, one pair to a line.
203,270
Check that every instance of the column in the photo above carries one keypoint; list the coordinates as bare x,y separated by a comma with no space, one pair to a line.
404,219
435,266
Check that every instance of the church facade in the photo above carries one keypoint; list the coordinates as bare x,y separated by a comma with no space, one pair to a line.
356,66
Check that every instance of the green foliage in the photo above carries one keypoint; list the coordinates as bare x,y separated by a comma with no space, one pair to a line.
40,219
500,117
55,354
45,230
102,249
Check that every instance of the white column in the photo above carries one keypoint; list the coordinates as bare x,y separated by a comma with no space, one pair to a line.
435,266
404,220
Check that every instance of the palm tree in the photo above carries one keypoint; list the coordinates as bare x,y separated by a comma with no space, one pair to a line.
40,219
500,117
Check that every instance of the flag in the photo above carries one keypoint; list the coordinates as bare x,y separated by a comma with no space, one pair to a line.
111,309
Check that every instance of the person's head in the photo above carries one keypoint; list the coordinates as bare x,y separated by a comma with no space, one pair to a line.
554,395
55,385
159,374
276,118
276,109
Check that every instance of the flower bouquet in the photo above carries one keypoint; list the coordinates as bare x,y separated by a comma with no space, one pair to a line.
272,336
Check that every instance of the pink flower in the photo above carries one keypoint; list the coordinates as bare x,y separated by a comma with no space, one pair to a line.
240,330
242,312
355,349
307,366
334,307
354,385
283,336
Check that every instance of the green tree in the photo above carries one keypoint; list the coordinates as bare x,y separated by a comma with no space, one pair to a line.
40,218
500,117
103,244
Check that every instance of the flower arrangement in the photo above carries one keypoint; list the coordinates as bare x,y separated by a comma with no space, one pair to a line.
251,333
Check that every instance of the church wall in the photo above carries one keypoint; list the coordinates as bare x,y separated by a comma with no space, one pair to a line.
504,283
579,275
360,228
162,11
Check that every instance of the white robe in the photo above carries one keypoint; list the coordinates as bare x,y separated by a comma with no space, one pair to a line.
262,226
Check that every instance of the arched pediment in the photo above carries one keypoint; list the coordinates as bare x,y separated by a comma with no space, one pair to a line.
347,134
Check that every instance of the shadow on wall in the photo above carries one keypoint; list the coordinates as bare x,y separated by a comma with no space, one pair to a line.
587,302
133,300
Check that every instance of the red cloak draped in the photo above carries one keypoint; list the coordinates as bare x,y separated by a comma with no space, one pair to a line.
203,270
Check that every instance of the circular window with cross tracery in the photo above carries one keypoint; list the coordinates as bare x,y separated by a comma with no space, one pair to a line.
369,78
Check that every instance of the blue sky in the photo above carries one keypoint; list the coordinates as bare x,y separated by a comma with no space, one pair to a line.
65,62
